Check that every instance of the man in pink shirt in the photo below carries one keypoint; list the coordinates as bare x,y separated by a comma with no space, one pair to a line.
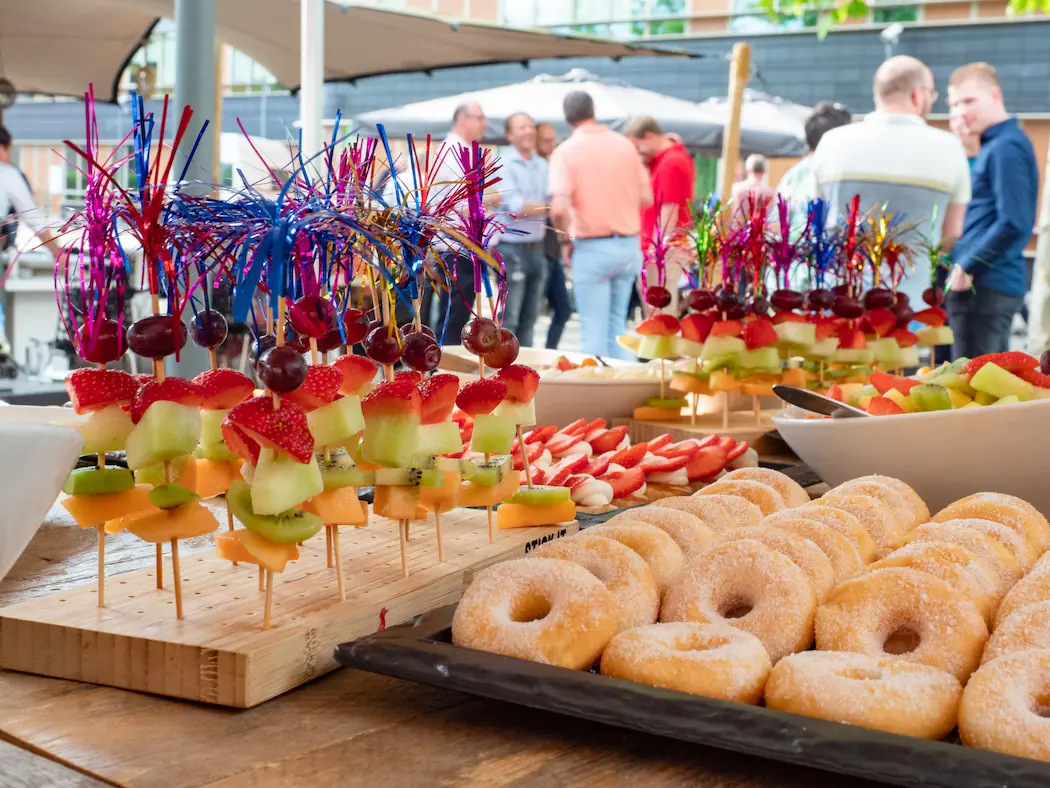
598,187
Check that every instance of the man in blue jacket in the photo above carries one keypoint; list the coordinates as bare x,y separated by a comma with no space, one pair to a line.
987,285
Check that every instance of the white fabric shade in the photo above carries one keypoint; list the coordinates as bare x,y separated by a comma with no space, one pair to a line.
769,124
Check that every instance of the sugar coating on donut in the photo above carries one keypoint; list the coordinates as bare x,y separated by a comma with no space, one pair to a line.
836,519
1006,704
793,493
874,515
1033,587
747,585
550,611
665,559
741,511
845,558
1027,628
1007,570
714,516
920,511
904,614
1009,537
767,499
689,532
896,512
623,572
871,692
1015,514
713,660
802,552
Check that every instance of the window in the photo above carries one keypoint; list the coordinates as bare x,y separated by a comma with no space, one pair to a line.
608,18
884,16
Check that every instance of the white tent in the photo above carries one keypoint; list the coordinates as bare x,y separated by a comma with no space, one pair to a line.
769,124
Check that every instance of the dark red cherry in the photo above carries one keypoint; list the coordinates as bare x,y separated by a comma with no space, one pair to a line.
108,344
281,369
819,299
904,313
847,307
726,299
933,296
209,329
421,352
312,316
879,298
700,300
759,305
657,296
383,346
157,336
480,335
786,300
505,352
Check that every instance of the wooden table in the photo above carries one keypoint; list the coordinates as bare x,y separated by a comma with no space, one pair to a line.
347,728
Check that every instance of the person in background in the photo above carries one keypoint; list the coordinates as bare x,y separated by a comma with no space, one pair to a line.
524,188
751,191
598,188
899,164
17,200
988,282
672,176
799,184
557,293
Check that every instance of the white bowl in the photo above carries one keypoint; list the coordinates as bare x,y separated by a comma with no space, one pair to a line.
35,459
560,402
945,455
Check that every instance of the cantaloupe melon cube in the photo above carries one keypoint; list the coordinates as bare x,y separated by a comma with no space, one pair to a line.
479,495
338,507
186,521
518,515
647,413
214,477
398,503
444,498
92,510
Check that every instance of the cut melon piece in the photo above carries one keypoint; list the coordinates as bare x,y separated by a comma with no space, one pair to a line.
91,510
217,452
471,494
886,351
214,477
792,333
187,521
244,547
442,437
824,348
211,427
444,498
901,400
793,376
520,515
656,346
629,341
182,470
106,430
281,483
723,349
936,335
333,423
761,358
1007,400
909,357
493,434
845,355
390,438
398,503
521,413
688,348
167,430
756,389
691,384
996,381
723,381
649,413
338,507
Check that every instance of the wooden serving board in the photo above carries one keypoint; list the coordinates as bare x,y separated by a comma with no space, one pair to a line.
219,653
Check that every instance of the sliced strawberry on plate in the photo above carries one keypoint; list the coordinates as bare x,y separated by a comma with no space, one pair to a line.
562,470
1035,377
221,389
357,372
561,444
681,449
521,382
660,441
707,462
320,387
759,333
661,324
533,452
710,440
608,440
591,426
94,389
626,482
598,465
727,328
577,426
539,475
631,456
885,382
411,375
169,390
653,464
696,326
540,434
438,394
727,443
481,396
283,429
1011,361
934,316
737,451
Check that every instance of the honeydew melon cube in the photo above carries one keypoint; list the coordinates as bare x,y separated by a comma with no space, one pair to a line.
760,358
718,348
281,482
844,355
521,413
936,335
993,379
688,348
493,434
886,352
106,430
656,346
824,348
796,333
901,400
1008,400
211,427
440,438
333,423
166,430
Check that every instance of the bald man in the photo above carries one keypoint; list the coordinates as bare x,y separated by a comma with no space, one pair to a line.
899,164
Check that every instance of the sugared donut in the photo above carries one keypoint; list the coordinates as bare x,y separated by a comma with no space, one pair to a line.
920,512
802,552
1027,628
1015,513
886,494
836,519
714,660
636,598
1013,541
879,520
550,611
767,499
936,558
793,493
689,532
713,514
871,692
741,510
747,585
845,558
904,614
1033,587
1004,706
664,557
1007,570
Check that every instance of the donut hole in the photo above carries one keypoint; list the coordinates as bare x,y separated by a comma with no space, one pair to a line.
861,674
1041,705
902,640
528,608
736,608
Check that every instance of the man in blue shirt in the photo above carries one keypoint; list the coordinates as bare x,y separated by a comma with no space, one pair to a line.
525,199
987,285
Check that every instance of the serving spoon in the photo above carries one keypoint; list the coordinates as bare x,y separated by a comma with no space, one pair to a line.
817,403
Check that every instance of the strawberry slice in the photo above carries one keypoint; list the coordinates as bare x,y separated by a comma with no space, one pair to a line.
934,316
825,327
481,396
540,434
707,462
1035,377
759,333
904,337
631,456
852,338
625,482
881,406
659,442
320,387
727,328
598,465
885,382
521,382
221,389
710,440
591,426
662,325
737,451
727,443
653,464
577,426
1011,361
696,326
683,449
539,476
438,394
562,470
239,443
577,480
788,317
835,393
94,389
882,321
411,375
560,444
284,429
532,451
608,440
170,389
357,372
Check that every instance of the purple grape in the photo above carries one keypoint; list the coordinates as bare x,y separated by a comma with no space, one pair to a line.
933,296
281,369
154,337
1044,362
657,296
904,313
480,335
847,307
260,346
878,298
700,300
109,344
311,316
819,299
726,299
384,346
421,352
209,329
759,305
786,300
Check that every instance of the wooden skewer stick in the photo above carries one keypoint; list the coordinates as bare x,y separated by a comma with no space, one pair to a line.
269,599
315,356
262,579
663,381
102,565
437,526
524,458
401,525
725,411
696,403
178,577
755,405
328,544
213,361
338,564
160,566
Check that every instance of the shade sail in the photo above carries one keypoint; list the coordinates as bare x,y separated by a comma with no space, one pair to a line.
769,124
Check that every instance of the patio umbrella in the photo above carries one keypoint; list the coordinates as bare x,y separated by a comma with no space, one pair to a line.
541,97
769,124
56,46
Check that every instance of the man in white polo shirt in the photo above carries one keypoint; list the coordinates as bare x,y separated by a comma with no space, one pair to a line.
896,162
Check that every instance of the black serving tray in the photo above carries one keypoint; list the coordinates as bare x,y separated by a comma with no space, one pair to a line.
422,651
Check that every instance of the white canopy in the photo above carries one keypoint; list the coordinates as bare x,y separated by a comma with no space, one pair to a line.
57,46
769,124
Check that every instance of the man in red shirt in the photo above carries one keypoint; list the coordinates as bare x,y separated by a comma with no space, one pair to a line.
673,174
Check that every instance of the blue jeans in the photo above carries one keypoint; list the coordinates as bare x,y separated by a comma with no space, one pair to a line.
526,286
981,319
603,274
559,300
